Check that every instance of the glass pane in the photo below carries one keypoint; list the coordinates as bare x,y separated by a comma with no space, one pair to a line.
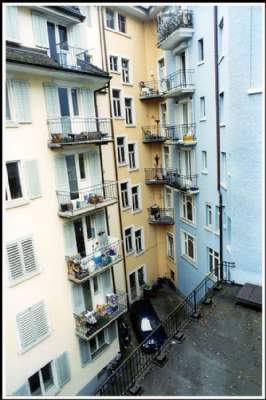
14,180
101,339
72,176
75,101
47,377
8,113
35,386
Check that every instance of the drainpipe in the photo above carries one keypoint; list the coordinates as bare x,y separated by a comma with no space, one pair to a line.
101,26
218,148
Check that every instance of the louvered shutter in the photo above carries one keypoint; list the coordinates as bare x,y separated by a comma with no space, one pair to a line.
40,320
23,390
84,351
26,329
70,239
107,282
62,369
40,33
78,299
112,332
78,35
22,101
62,183
33,180
12,24
53,109
89,109
22,258
95,168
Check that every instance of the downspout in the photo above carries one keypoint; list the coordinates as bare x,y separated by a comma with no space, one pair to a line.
218,146
101,27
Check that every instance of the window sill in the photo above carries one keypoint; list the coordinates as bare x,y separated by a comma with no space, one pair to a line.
136,211
208,229
16,203
217,233
130,125
11,124
220,59
188,222
133,169
200,63
171,259
118,32
115,72
223,185
255,91
188,259
204,171
126,208
127,84
125,164
222,124
23,278
203,119
139,253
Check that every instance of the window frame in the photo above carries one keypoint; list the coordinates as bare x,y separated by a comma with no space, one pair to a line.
113,62
136,198
202,108
213,259
125,197
132,156
117,104
20,112
170,247
185,248
139,241
200,51
129,238
121,151
208,216
204,162
129,112
184,200
126,71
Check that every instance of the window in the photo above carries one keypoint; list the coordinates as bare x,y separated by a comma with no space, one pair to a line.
217,219
110,18
221,108
125,70
170,246
187,207
89,228
213,261
204,161
14,189
18,101
124,194
138,241
48,379
188,244
128,109
113,63
32,325
116,103
223,169
121,150
129,240
172,275
135,198
141,277
22,259
82,166
208,216
132,155
12,24
121,23
201,50
95,285
202,108
90,350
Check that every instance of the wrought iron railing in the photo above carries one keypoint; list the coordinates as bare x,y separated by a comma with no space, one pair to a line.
137,363
90,323
72,203
78,129
154,88
182,78
161,216
80,269
182,182
169,22
162,132
157,175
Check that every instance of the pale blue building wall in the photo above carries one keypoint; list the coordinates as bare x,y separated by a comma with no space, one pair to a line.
241,140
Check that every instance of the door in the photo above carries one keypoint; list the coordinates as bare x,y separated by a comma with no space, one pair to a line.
79,237
52,41
72,177
133,286
161,70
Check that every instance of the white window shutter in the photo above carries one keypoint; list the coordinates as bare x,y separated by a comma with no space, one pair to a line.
26,329
14,256
78,35
78,298
12,24
99,222
40,33
29,255
88,103
33,180
70,239
22,101
84,351
52,101
23,390
40,320
62,369
62,183
107,282
95,168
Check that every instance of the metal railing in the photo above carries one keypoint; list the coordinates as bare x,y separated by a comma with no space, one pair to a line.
157,175
161,132
154,88
182,182
182,78
161,216
76,129
169,22
81,200
137,363
80,269
89,324
72,57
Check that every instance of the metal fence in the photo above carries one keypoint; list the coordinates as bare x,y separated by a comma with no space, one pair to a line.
135,365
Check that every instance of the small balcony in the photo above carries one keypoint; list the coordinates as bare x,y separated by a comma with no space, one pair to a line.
71,57
73,131
157,176
180,82
72,204
90,323
184,134
185,183
154,133
173,28
80,269
161,216
152,89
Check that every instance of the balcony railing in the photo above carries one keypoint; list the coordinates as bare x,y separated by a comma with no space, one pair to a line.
178,134
183,182
80,269
78,130
154,133
72,57
156,176
151,89
180,82
90,323
170,22
161,216
75,203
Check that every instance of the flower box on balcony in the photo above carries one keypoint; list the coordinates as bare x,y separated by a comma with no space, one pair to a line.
188,138
92,199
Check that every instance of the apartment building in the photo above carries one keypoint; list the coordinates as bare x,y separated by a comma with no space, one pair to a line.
128,157
64,276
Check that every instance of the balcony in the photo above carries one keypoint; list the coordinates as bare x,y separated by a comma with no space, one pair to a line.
173,28
90,323
180,82
181,134
161,216
71,57
185,183
80,269
72,204
156,176
73,131
154,133
152,89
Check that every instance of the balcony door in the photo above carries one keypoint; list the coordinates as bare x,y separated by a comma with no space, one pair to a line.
58,43
184,116
186,166
181,67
